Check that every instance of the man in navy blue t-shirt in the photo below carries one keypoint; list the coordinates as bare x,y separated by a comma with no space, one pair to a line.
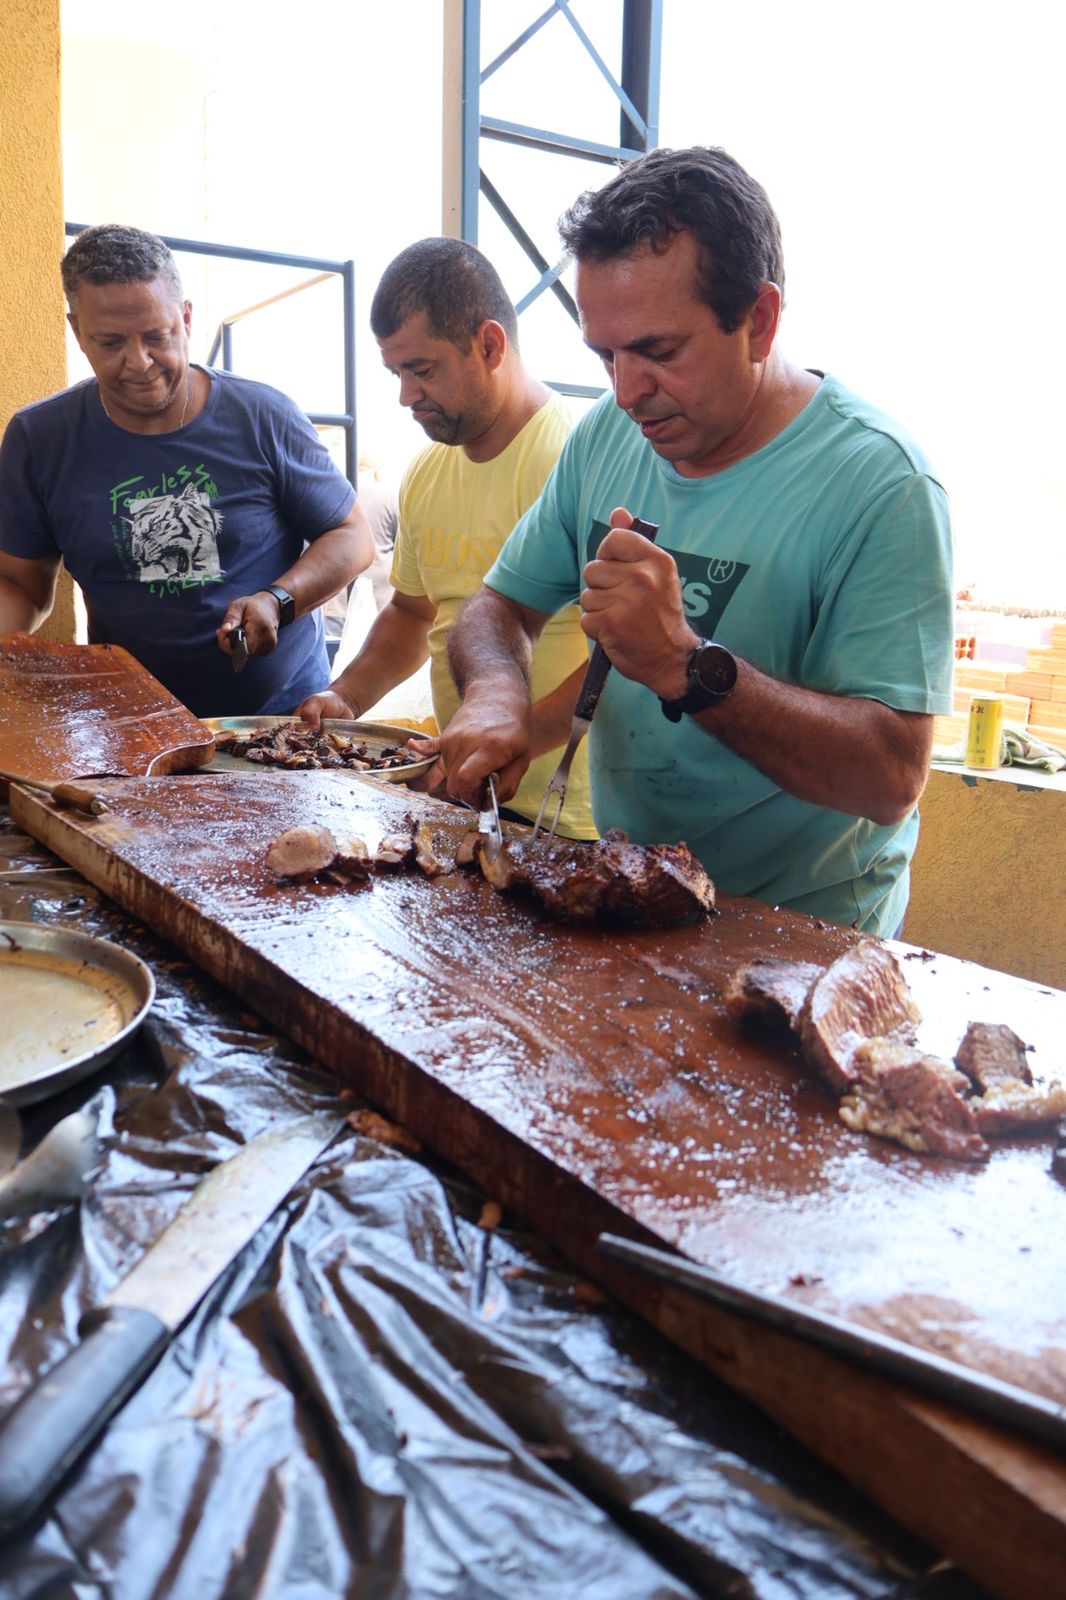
186,503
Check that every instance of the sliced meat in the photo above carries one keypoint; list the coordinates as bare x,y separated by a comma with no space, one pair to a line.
771,993
914,1099
394,851
466,851
1011,1106
301,853
606,880
296,746
862,995
352,859
991,1054
426,858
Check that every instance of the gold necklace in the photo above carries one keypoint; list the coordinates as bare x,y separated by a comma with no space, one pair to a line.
184,409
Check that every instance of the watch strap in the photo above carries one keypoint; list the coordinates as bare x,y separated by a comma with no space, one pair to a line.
699,694
286,603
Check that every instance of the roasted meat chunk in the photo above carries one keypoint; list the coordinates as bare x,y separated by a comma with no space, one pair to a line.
297,747
898,1093
1012,1106
301,853
990,1054
771,992
606,880
862,995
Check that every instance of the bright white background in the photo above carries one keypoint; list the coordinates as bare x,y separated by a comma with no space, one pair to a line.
913,153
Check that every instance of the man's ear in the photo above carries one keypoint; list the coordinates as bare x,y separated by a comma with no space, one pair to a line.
491,340
186,315
763,320
72,318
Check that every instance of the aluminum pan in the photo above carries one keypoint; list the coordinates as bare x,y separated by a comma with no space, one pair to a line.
70,1003
374,734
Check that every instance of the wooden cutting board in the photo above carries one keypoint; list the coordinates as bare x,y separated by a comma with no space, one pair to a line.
593,1081
76,710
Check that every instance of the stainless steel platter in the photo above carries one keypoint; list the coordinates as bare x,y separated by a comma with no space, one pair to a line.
69,1002
377,736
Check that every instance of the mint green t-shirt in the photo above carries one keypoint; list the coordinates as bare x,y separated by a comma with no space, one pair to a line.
824,559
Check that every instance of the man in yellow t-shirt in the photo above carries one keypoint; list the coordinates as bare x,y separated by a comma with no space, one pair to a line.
447,329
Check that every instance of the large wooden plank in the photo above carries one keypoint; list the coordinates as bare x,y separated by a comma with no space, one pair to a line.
593,1081
75,710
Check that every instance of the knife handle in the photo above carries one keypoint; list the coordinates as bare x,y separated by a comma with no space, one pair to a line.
600,663
57,1419
79,797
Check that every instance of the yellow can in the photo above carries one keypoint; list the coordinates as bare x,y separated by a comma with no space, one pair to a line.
984,735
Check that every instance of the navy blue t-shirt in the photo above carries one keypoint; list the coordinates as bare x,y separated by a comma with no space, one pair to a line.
161,531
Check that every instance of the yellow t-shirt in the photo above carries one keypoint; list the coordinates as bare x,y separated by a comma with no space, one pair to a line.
454,517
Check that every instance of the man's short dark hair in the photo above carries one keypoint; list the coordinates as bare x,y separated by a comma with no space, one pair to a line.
451,283
111,253
703,191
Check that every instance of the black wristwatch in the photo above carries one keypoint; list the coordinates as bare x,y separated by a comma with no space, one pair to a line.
712,675
285,602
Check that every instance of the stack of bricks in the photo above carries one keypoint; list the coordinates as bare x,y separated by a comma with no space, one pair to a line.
1044,682
1033,695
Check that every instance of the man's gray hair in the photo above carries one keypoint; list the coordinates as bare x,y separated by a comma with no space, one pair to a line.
111,253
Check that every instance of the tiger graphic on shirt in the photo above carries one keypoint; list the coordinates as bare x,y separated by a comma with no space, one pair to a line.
175,536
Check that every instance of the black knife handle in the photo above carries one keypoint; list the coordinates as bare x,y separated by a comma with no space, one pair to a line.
56,1420
600,663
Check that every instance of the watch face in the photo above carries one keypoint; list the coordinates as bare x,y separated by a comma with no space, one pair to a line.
714,669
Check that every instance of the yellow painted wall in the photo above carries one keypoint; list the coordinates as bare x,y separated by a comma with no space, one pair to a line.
988,881
32,309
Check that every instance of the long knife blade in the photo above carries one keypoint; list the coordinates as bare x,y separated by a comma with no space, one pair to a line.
488,821
945,1380
120,1340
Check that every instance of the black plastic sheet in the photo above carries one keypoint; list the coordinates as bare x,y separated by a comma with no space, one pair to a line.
381,1397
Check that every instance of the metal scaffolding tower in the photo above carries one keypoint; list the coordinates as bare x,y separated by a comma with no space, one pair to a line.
634,91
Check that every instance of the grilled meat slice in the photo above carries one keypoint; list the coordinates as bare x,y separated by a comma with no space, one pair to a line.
991,1054
862,995
1011,1106
426,859
466,851
771,992
914,1099
993,1058
301,853
352,859
395,850
606,880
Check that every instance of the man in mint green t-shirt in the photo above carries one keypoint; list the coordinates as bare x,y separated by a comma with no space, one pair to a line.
781,650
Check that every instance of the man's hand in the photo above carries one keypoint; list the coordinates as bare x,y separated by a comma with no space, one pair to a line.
258,614
632,605
326,703
490,732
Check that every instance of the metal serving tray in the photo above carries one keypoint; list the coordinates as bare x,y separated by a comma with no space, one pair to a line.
375,735
69,1002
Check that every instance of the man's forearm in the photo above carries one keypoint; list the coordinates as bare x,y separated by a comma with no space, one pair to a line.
491,645
329,563
850,754
19,612
394,648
